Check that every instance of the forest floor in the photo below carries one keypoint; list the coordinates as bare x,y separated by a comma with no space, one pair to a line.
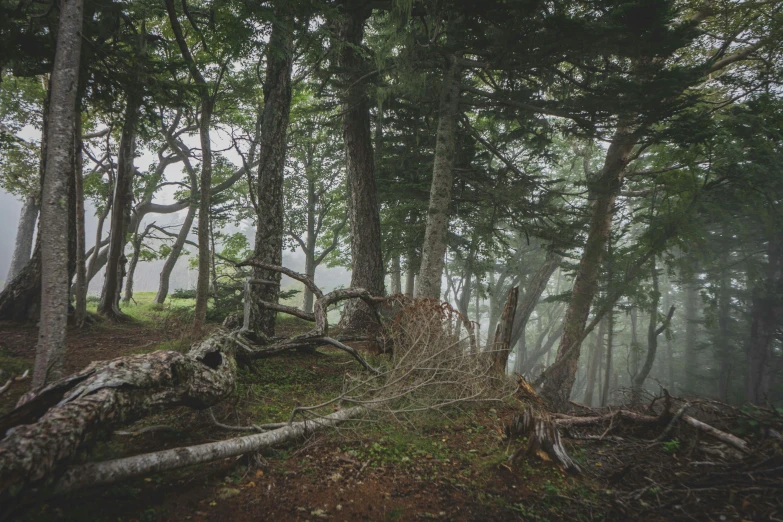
451,466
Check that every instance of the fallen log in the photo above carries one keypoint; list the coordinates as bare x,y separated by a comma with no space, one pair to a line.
726,438
51,424
115,470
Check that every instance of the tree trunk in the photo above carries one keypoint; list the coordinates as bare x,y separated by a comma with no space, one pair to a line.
724,318
608,364
396,275
635,348
653,331
80,286
176,251
121,208
24,238
55,281
691,369
766,315
502,338
594,364
410,276
274,126
364,212
310,241
138,240
122,469
603,192
204,208
535,288
435,235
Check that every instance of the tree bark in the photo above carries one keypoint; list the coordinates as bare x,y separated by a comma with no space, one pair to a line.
724,330
121,208
270,219
51,424
410,277
60,141
23,244
603,191
434,247
364,211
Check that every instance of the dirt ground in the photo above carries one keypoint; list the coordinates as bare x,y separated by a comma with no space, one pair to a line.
452,467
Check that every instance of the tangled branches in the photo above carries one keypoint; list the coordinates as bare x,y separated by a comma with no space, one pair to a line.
429,368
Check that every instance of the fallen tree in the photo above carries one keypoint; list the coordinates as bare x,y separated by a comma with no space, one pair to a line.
50,425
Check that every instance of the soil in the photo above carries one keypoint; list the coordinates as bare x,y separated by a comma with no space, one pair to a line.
446,468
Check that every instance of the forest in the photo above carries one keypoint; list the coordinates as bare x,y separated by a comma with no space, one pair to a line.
391,260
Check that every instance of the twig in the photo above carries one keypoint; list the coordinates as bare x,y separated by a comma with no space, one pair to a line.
13,380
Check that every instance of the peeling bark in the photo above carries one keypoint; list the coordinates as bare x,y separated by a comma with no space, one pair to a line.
51,424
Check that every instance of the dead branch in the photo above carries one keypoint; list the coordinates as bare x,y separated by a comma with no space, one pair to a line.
726,438
116,470
13,380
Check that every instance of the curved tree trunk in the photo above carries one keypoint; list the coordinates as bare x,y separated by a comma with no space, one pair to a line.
434,247
176,250
270,220
603,192
535,288
58,168
23,244
364,211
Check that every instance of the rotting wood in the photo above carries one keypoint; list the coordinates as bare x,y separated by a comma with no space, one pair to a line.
543,439
51,424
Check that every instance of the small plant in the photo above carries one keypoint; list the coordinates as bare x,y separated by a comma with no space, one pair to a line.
671,447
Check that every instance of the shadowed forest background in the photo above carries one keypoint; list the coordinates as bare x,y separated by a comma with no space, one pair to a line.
537,247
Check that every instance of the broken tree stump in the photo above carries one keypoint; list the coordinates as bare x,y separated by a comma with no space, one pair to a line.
543,439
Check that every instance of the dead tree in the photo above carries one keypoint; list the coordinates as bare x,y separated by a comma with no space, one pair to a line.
50,425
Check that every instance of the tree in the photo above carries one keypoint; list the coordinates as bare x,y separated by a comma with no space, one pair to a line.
59,157
269,191
363,211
